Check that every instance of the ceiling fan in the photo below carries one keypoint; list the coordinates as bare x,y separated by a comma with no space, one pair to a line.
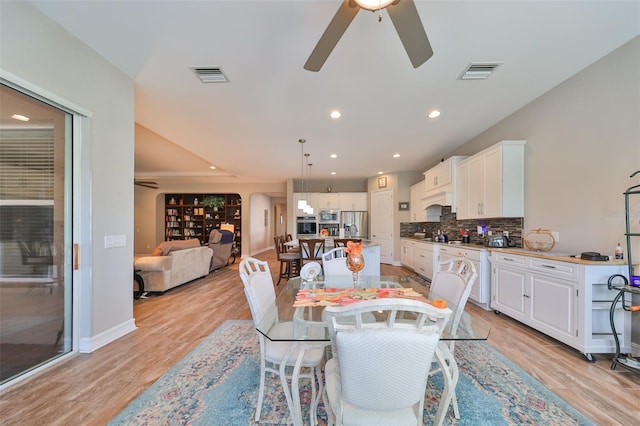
146,184
405,19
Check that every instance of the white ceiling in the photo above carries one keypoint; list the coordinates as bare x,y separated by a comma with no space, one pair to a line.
249,128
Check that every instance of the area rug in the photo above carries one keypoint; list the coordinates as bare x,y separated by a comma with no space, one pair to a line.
217,384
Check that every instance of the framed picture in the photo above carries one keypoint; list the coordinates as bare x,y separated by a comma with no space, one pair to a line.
382,182
403,205
266,218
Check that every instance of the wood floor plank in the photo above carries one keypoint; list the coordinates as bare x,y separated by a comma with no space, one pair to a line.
90,389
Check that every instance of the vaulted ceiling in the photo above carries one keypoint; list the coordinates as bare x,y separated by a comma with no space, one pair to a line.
249,127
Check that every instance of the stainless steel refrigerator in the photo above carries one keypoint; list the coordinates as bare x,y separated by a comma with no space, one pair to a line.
355,224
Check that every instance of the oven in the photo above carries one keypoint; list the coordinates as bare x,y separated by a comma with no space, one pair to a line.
306,225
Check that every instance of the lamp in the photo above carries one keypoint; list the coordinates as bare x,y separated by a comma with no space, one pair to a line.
302,203
309,208
373,5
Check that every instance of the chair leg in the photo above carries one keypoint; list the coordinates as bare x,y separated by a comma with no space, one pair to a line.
261,390
281,274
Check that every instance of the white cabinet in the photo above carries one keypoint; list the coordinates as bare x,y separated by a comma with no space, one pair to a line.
310,197
567,301
354,201
441,175
423,259
417,213
491,183
328,201
407,253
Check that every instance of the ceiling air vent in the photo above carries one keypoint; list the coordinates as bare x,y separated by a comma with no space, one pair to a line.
210,74
478,70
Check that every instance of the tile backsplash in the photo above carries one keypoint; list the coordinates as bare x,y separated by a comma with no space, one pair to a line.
450,226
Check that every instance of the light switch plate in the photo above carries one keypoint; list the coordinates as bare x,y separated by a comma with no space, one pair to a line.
111,241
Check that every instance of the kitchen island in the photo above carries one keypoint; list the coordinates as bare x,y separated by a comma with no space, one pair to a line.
370,252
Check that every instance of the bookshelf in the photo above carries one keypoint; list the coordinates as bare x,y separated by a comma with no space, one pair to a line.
186,216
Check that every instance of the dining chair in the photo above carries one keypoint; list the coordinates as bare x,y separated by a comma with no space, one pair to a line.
342,242
261,297
312,249
289,260
378,373
334,262
453,281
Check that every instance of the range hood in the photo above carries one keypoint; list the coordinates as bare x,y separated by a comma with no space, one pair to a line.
433,204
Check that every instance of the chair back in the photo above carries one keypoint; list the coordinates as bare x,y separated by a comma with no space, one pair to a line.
312,248
453,281
278,242
384,366
334,262
342,242
258,287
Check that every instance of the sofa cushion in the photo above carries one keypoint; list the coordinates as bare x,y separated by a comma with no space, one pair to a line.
166,247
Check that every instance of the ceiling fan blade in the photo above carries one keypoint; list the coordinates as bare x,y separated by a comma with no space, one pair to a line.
406,19
331,35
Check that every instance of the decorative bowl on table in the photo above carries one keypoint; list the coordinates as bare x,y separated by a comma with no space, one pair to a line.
539,240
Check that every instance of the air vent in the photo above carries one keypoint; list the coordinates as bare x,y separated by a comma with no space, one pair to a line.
210,74
479,70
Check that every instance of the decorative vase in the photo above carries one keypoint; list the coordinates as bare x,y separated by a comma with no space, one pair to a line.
355,263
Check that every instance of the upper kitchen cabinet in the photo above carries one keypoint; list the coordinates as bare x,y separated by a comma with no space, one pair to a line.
310,197
418,214
354,201
440,184
441,175
329,201
491,183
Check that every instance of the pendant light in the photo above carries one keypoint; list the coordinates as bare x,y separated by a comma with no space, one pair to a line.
302,203
309,208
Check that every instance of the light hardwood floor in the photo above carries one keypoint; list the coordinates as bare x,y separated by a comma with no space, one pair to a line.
90,389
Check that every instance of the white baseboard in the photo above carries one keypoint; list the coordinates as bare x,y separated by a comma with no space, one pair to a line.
93,343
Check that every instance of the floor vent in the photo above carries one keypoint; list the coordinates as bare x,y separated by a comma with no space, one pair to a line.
479,70
210,74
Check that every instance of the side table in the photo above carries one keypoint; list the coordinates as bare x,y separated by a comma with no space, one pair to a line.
623,289
139,291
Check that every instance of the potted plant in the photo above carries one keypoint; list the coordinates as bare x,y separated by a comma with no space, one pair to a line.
214,202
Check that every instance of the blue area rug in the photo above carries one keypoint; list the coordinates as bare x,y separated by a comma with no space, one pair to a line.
217,384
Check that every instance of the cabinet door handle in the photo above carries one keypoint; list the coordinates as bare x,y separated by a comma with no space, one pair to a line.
548,266
507,259
526,295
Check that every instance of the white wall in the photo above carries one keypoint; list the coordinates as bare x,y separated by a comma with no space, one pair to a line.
40,52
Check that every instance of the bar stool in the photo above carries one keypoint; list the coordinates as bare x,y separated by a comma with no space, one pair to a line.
289,261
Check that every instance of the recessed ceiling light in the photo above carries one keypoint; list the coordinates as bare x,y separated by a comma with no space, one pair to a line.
435,113
396,155
335,114
212,167
334,155
20,117
333,173
380,173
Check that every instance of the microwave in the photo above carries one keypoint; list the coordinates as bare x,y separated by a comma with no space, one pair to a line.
328,217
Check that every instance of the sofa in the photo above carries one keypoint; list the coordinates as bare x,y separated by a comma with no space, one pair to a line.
173,263
221,242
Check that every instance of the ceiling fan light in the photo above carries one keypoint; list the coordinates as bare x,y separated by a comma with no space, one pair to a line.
373,5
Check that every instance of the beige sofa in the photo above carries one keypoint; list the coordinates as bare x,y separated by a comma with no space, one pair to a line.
173,263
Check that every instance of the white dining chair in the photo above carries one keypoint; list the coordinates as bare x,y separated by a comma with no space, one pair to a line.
453,281
260,292
378,373
334,262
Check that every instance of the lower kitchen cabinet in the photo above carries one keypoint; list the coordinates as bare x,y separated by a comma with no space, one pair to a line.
567,301
481,290
407,253
423,259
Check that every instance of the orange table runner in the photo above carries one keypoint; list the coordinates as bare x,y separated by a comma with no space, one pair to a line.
345,296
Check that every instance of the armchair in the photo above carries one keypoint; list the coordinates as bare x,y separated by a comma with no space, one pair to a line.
221,242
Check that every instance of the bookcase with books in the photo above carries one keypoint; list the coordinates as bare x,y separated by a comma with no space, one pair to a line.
196,215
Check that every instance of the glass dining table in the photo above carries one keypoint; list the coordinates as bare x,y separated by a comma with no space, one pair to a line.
301,302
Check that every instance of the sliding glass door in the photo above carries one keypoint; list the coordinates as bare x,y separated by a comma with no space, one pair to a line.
35,233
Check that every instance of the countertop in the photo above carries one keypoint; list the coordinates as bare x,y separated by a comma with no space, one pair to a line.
559,257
